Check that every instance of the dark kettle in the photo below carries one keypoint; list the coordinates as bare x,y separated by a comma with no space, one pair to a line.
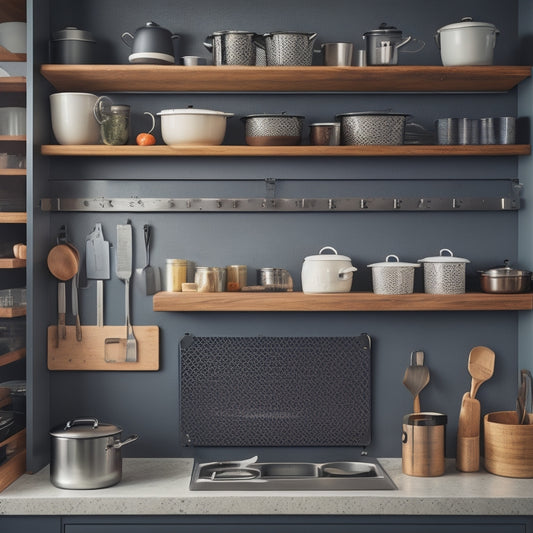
151,44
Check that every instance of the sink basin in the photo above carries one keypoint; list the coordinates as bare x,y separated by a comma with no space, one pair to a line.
246,475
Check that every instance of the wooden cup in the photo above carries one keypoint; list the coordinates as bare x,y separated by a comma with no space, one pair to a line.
508,445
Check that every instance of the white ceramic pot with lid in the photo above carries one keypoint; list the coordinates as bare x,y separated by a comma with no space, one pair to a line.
467,43
444,274
325,273
393,276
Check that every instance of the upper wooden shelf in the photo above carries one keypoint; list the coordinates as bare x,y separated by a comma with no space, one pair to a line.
13,84
352,301
12,262
288,151
12,171
11,357
174,78
13,11
12,312
7,56
12,138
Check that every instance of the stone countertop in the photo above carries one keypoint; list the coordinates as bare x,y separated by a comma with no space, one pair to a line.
160,487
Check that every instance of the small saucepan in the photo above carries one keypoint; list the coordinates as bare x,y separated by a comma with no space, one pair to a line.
505,280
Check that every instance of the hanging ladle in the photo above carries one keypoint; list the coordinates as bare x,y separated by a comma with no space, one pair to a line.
63,263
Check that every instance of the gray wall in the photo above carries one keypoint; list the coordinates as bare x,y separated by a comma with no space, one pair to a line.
147,403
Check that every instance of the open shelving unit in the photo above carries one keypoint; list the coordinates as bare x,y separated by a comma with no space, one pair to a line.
351,301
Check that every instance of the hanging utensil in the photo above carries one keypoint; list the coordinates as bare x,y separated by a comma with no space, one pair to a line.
148,277
97,262
468,430
124,270
416,377
523,401
480,366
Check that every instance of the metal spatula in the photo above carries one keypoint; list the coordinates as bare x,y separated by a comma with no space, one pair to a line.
124,270
149,277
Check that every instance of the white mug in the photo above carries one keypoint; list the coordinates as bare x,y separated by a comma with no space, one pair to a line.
73,119
13,36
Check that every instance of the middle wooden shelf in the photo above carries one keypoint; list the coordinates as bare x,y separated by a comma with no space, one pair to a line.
412,150
351,301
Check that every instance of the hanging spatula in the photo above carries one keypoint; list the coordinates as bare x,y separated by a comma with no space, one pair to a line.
97,263
416,377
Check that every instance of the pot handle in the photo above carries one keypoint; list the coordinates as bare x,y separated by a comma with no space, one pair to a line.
127,38
412,40
208,42
397,259
119,444
82,421
98,108
328,248
347,270
437,39
312,37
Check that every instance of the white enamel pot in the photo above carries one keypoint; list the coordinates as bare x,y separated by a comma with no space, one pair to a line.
467,43
325,273
193,127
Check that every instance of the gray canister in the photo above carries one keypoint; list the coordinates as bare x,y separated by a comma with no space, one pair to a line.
232,47
72,46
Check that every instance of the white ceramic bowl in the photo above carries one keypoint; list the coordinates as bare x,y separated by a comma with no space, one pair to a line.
193,127
13,36
73,120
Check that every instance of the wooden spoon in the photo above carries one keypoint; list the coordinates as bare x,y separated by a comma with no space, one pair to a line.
480,367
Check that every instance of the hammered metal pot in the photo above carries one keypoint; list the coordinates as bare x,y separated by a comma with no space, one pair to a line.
232,47
287,48
362,128
444,274
392,276
273,130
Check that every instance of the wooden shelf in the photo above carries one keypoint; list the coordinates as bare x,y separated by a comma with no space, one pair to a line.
13,11
353,301
15,465
288,151
12,262
13,84
13,218
7,56
173,78
12,138
11,357
12,312
12,171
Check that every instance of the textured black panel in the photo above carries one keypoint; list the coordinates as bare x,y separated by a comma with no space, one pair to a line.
275,391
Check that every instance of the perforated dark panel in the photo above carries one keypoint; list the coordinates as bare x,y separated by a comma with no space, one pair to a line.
275,391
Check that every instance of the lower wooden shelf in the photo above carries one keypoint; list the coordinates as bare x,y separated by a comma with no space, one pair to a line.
11,357
15,464
12,262
352,301
15,217
12,312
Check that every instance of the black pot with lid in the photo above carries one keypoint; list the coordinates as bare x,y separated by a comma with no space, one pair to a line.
505,279
72,46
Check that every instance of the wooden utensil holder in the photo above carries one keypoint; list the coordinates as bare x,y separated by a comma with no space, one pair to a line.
508,445
89,353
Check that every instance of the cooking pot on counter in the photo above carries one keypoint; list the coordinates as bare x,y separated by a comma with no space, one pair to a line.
467,43
86,454
327,273
505,280
151,44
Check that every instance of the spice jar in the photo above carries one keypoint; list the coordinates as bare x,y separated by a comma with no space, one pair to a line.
176,274
114,121
236,277
206,279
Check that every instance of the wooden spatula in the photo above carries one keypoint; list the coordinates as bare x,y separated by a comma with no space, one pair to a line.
467,459
480,366
416,377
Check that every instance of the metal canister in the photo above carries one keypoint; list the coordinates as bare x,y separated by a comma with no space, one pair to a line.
236,276
175,274
206,279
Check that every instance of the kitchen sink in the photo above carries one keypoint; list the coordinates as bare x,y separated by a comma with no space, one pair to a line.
251,475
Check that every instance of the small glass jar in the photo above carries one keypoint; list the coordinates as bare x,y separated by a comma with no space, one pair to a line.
175,274
236,277
115,128
206,279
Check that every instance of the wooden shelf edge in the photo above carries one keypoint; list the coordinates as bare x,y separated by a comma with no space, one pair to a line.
405,150
353,301
13,356
174,78
12,171
13,217
12,262
12,312
15,465
7,56
12,138
13,84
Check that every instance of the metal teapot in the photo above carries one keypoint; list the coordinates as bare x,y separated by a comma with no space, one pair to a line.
382,45
151,44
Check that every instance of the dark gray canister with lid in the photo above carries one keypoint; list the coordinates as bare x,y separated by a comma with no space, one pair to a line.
72,46
86,454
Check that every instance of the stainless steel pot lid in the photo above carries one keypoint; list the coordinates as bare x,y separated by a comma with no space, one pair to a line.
384,29
467,22
71,33
272,115
505,271
233,32
85,428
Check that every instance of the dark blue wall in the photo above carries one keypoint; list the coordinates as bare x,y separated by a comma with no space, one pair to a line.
147,403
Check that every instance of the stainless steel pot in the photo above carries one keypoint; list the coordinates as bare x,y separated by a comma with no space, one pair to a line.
287,48
273,130
232,47
505,280
382,45
376,128
86,454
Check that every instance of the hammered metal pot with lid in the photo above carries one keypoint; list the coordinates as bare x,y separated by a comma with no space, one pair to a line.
505,280
86,454
444,274
393,276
